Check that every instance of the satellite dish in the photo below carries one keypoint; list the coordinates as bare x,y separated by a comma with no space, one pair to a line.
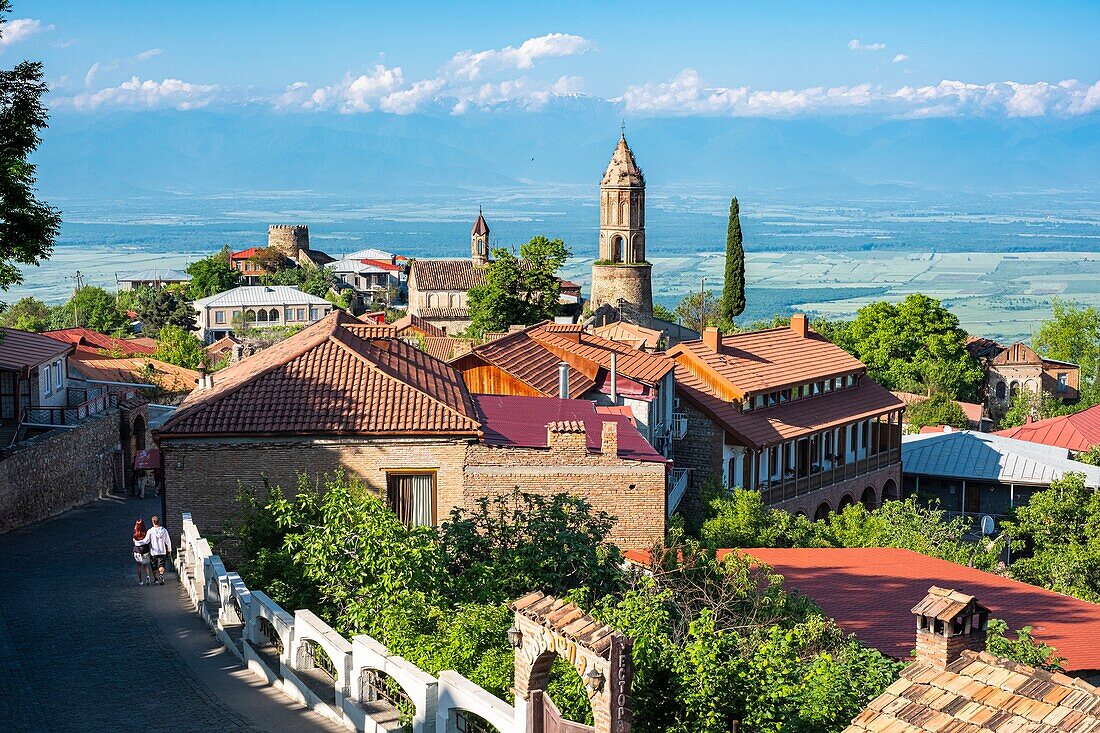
987,524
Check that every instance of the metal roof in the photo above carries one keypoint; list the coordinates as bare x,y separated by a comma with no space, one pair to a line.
965,454
155,274
23,349
257,295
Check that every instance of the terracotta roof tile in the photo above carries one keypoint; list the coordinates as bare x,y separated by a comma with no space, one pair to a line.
132,370
637,365
23,349
445,314
409,322
446,274
327,379
772,425
568,620
528,361
446,348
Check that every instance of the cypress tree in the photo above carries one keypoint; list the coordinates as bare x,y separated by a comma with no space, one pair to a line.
733,292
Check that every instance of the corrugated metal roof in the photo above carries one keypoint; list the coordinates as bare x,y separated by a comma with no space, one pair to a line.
155,275
1077,432
965,454
23,349
97,340
260,295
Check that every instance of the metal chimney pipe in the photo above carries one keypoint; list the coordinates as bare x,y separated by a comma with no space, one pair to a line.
563,380
614,378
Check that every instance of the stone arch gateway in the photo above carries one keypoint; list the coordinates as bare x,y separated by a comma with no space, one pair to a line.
547,628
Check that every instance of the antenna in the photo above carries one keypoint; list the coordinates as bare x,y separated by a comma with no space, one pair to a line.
987,525
622,128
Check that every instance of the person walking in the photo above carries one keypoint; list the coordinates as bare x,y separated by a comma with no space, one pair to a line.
142,553
160,544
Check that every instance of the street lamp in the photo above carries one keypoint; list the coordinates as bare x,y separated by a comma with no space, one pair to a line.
515,637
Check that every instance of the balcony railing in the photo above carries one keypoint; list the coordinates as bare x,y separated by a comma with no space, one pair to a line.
679,425
785,488
68,416
677,487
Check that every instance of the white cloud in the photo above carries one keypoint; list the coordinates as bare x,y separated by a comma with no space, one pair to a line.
899,58
149,94
407,101
471,66
90,76
146,55
20,29
362,93
857,45
686,94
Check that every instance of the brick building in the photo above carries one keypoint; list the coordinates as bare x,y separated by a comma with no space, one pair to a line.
343,394
785,412
1012,369
610,373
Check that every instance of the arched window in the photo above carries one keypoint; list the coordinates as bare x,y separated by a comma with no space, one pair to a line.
433,301
261,315
249,316
273,314
1014,389
1001,390
617,248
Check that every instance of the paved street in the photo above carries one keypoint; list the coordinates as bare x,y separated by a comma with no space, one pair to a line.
84,648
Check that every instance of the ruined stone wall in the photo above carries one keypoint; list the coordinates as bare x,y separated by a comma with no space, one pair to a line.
632,283
290,238
59,470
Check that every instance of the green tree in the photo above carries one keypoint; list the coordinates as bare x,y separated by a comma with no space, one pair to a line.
733,291
916,346
1072,334
939,409
179,346
1056,538
91,307
541,259
28,227
1023,649
1037,405
1091,456
663,314
498,303
210,276
160,307
270,259
27,314
692,305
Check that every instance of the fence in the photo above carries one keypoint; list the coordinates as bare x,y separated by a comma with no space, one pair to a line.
360,683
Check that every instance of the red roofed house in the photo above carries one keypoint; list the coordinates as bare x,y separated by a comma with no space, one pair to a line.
1010,369
528,362
89,339
1077,432
785,412
343,394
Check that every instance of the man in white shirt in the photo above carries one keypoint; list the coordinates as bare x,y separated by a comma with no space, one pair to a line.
160,544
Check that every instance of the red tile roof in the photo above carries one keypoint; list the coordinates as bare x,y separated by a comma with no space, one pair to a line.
1077,432
481,227
445,314
762,361
637,365
631,334
23,349
94,339
383,265
870,592
528,361
521,422
772,425
446,348
409,322
446,274
327,380
93,365
244,254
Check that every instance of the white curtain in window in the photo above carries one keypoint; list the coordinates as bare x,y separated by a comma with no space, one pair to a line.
421,514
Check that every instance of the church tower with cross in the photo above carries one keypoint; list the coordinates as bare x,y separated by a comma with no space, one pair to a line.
621,277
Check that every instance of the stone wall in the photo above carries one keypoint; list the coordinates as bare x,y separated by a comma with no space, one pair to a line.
701,451
290,238
59,470
205,477
851,491
632,283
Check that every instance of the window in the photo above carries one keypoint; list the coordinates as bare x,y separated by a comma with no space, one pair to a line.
838,383
1063,381
289,315
313,314
411,496
47,381
273,314
827,385
301,314
57,375
759,401
1002,391
261,315
851,380
785,396
219,316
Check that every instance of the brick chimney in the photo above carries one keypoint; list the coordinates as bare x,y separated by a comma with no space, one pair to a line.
949,622
609,439
711,338
799,324
567,436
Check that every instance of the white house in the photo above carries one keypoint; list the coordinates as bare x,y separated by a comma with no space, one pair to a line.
370,272
260,306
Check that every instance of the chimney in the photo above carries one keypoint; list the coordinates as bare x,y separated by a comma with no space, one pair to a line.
609,439
563,380
614,378
949,623
799,324
201,382
711,338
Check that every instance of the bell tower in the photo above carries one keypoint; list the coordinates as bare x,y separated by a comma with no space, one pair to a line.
479,240
621,277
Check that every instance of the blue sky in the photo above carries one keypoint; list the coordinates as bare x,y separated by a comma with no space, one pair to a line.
921,59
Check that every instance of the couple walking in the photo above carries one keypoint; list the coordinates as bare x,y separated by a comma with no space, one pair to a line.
151,548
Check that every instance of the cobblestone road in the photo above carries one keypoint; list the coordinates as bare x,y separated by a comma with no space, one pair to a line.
83,648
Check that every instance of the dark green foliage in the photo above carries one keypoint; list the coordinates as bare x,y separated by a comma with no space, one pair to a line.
1056,538
310,279
27,314
733,291
1023,649
91,307
915,346
520,290
211,275
1073,335
939,409
180,347
28,227
693,305
662,313
160,307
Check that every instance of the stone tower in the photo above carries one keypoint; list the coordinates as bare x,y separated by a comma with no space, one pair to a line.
479,240
290,238
621,277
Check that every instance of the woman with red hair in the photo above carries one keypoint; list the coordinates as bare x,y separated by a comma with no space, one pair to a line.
141,553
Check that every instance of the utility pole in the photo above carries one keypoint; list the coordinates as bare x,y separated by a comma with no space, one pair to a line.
702,303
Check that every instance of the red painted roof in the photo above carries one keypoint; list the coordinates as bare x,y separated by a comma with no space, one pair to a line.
23,349
245,254
94,339
871,591
383,265
521,422
1077,432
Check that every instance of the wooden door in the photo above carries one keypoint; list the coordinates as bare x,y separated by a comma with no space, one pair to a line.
547,718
